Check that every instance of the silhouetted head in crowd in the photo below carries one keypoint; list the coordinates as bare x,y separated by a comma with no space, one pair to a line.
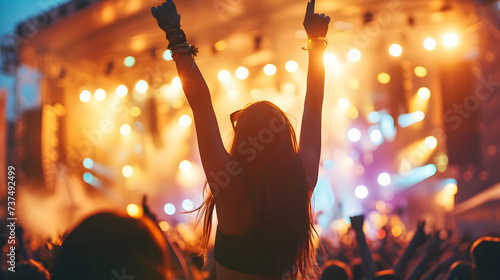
388,274
335,270
356,268
29,270
460,271
108,246
485,253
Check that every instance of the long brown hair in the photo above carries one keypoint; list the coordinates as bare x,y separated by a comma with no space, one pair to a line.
276,187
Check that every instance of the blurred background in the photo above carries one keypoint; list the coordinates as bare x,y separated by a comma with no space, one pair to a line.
93,117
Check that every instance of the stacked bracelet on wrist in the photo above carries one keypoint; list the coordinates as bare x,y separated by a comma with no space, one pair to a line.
316,42
177,43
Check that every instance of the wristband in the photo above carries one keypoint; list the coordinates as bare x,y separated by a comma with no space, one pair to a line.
316,42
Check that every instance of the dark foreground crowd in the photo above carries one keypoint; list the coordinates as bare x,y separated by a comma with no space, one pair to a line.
112,247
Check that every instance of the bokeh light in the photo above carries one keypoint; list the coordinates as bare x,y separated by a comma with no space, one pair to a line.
395,50
292,66
121,91
169,209
135,111
420,71
129,61
100,94
354,55
384,78
424,93
125,129
431,142
167,55
185,120
127,171
270,69
384,179
165,226
354,135
141,86
88,163
220,45
185,166
451,188
187,204
134,211
224,76
361,192
85,96
242,73
429,43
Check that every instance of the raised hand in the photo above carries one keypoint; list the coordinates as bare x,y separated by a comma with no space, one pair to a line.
357,222
316,25
166,15
420,237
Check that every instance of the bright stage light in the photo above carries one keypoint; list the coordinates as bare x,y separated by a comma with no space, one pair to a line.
354,55
185,120
405,120
224,76
416,175
187,204
125,129
127,171
141,86
384,78
343,103
129,61
451,189
121,91
291,66
354,135
133,210
164,226
384,179
167,55
395,50
420,71
431,142
424,93
176,83
429,43
451,40
242,73
270,69
376,136
135,111
361,192
88,177
169,209
330,59
88,163
85,96
185,166
100,94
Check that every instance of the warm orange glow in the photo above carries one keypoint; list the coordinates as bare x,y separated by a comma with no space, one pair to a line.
384,78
